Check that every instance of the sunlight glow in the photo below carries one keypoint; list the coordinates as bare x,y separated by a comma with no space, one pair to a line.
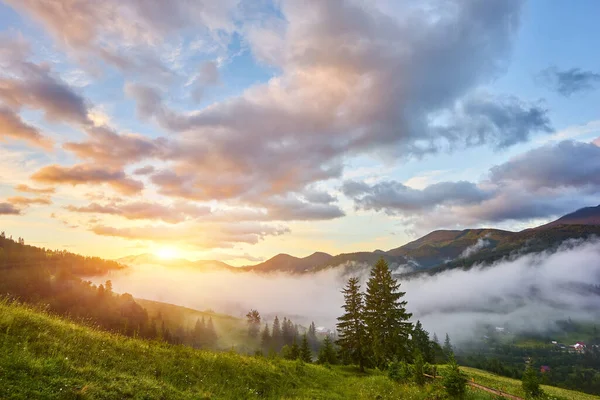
166,253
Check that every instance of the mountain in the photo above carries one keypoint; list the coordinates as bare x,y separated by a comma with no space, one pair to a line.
583,216
438,250
287,263
147,258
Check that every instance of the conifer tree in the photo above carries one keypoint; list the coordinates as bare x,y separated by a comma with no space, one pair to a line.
197,334
253,320
265,338
530,382
276,334
327,353
211,334
448,350
305,353
286,333
351,326
455,381
385,316
312,337
421,343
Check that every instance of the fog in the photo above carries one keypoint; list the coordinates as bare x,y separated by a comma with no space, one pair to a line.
527,293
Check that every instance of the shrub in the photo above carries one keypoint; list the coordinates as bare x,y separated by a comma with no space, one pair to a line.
531,384
454,380
399,371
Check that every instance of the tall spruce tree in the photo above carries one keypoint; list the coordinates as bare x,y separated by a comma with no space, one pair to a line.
327,353
421,343
386,317
265,338
253,320
448,350
305,352
276,334
312,337
351,325
211,334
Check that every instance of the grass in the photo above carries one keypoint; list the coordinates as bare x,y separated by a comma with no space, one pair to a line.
232,331
45,357
513,386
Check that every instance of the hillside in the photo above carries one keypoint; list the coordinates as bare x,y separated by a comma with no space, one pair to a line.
46,357
287,263
584,216
437,250
147,258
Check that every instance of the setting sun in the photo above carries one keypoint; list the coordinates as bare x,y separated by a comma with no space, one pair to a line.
166,253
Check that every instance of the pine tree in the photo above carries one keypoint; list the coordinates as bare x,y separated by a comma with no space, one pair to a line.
291,352
531,383
211,334
327,353
253,319
421,343
455,381
265,338
197,334
276,334
286,333
435,338
312,337
305,353
419,369
351,326
448,350
385,316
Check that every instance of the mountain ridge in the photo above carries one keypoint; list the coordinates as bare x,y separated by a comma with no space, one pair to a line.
437,249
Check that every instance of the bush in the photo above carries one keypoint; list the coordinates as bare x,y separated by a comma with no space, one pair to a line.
418,368
454,380
400,371
531,384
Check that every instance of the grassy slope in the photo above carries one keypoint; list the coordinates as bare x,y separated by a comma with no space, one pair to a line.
513,386
45,357
232,331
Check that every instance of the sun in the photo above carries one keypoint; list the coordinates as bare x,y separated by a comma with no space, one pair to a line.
166,253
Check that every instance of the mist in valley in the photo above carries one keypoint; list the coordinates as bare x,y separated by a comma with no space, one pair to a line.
527,293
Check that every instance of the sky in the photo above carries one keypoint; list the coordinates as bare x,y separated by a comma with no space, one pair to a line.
236,130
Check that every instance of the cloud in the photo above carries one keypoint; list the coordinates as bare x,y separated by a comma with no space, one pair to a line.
391,196
87,174
12,126
547,181
566,164
145,170
145,210
27,201
106,146
570,81
89,30
479,245
207,76
347,87
222,235
30,85
528,293
28,189
8,209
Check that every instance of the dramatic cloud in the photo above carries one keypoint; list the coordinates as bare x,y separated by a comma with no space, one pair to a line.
25,84
543,182
87,174
569,81
106,146
27,201
28,189
145,210
333,100
222,235
393,195
146,170
105,30
12,126
8,209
